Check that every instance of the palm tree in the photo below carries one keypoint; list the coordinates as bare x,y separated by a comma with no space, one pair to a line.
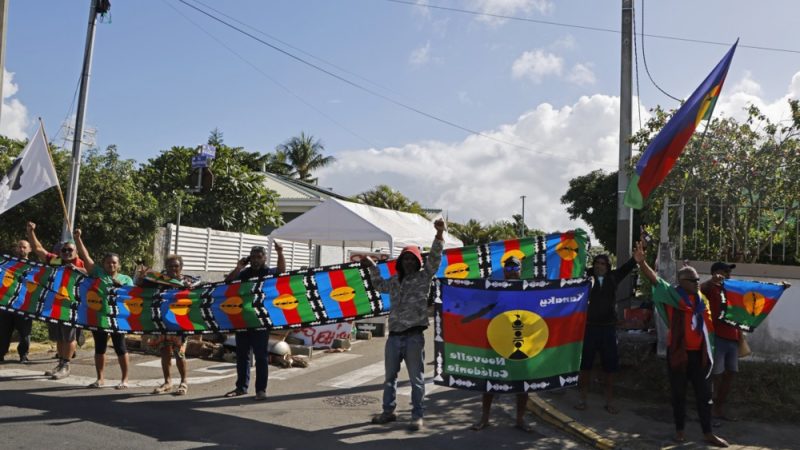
304,155
384,196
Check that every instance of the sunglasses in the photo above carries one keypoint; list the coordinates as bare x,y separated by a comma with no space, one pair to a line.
67,250
512,268
691,280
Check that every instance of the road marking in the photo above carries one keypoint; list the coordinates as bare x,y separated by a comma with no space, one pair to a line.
327,361
357,377
81,381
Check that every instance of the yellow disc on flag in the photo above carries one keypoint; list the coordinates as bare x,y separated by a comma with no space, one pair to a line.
567,250
753,302
517,334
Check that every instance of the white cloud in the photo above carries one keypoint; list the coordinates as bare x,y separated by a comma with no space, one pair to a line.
420,56
14,119
564,43
537,64
509,8
422,9
582,75
482,177
747,91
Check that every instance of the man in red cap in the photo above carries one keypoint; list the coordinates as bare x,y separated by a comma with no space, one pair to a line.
726,340
408,319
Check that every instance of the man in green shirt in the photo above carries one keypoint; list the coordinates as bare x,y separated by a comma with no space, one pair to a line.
110,277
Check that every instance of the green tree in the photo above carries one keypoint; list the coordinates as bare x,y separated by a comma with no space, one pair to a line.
304,155
239,200
471,232
593,199
384,196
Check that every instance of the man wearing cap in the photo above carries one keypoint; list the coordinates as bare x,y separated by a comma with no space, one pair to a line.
10,321
408,319
726,340
255,340
512,267
64,335
601,327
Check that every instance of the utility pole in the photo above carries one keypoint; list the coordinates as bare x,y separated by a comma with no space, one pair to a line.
522,222
3,26
97,7
624,214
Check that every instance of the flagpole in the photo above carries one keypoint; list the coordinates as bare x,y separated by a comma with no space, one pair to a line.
58,183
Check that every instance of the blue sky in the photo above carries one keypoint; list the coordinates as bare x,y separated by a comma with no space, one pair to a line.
159,80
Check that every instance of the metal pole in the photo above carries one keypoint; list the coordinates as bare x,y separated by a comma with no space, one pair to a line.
624,214
522,222
3,25
72,192
178,224
680,241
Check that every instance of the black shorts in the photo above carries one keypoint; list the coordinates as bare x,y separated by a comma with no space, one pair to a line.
601,339
60,332
101,343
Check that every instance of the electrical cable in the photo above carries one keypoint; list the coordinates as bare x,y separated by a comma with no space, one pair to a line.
644,58
585,27
368,90
285,88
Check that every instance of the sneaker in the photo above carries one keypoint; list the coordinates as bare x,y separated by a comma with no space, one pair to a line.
384,418
261,395
49,373
24,359
61,373
415,424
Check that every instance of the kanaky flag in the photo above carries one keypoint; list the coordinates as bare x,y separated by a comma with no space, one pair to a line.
509,336
342,293
460,263
660,156
287,301
565,254
31,173
524,249
747,303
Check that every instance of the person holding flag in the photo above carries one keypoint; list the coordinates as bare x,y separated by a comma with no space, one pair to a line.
10,321
690,353
64,335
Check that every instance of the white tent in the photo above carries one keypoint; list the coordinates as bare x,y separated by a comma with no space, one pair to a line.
339,223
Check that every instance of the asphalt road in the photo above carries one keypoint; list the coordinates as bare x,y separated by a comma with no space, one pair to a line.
327,406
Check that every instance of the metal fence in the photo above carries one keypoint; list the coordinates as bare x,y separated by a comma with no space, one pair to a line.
734,232
207,250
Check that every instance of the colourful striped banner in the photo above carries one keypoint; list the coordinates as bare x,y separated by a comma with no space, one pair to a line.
745,304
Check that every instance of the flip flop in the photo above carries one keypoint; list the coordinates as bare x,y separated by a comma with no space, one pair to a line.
163,389
479,426
121,386
235,393
183,388
95,385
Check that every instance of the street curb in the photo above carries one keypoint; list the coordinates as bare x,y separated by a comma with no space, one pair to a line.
553,416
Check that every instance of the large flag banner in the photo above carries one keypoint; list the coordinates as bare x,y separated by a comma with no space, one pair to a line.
552,256
509,336
31,173
660,156
296,299
745,304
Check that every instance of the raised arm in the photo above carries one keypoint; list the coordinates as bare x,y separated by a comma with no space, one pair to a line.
83,253
281,260
435,255
378,282
38,248
647,271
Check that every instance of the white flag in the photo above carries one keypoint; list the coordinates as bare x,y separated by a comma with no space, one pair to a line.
31,173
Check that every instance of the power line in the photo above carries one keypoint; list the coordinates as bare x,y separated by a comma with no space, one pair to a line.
366,89
644,58
257,69
585,27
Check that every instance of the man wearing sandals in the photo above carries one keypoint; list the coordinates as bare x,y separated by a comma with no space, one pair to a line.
65,335
601,327
255,340
408,319
169,345
109,277
511,271
690,352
